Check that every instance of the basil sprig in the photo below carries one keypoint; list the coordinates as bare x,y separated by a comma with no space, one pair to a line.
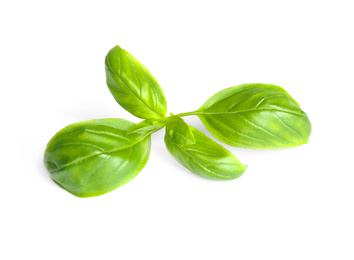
94,157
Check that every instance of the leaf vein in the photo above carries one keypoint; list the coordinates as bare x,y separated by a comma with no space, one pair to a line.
79,143
234,130
268,97
263,129
288,127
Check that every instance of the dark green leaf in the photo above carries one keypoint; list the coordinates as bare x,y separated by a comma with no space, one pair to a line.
178,131
94,157
259,116
206,158
133,86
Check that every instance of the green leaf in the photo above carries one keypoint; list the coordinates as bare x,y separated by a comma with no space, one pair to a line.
147,126
206,157
259,116
178,131
133,86
94,157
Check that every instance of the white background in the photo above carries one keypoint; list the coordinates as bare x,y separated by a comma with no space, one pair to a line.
290,204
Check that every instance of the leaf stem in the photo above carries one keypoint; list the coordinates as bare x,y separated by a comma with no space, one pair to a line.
192,113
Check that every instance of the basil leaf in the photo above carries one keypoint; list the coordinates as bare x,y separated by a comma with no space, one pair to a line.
206,157
259,116
147,126
94,157
133,86
179,132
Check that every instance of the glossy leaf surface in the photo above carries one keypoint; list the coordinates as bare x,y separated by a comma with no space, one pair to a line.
133,86
179,132
206,157
94,157
148,126
259,116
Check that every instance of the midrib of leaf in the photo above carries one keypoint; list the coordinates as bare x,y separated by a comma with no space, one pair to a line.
97,154
244,111
146,129
155,93
111,69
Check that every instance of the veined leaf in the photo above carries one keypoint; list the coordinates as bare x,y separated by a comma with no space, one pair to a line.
178,131
259,116
94,157
206,157
133,86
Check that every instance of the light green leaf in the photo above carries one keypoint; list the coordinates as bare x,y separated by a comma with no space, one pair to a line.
206,157
147,126
259,116
178,131
133,86
94,157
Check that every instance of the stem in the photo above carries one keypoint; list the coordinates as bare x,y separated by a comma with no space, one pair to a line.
193,113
